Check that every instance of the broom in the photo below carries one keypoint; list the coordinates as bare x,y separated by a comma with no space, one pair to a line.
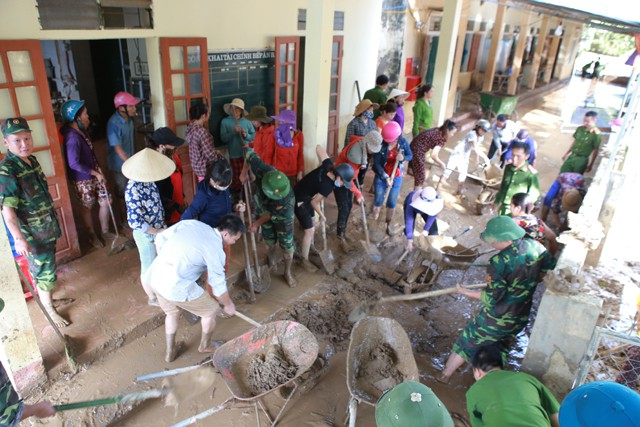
69,348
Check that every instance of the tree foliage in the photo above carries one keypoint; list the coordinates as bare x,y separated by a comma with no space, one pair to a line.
606,42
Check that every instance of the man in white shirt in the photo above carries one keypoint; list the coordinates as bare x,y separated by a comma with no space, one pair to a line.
185,251
504,131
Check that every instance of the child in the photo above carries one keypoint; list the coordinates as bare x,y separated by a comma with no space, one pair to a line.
534,227
459,158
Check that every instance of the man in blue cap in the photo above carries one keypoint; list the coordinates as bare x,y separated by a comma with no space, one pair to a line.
12,408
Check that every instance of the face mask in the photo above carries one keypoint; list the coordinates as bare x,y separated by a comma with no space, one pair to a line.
337,184
368,114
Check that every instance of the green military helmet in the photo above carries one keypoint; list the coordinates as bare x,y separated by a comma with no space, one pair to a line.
411,404
1,304
501,229
275,185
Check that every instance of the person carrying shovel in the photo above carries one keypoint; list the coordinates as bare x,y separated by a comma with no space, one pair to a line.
311,190
354,154
512,278
425,202
185,251
387,165
28,210
275,203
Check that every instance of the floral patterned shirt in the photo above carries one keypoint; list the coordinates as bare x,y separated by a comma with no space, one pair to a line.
144,206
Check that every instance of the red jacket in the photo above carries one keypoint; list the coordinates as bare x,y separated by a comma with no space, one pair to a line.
263,142
289,161
342,158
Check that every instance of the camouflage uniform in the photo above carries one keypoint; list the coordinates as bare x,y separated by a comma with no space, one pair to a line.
24,188
280,227
11,407
506,302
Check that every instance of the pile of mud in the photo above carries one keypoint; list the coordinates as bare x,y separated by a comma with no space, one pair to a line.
379,370
326,313
267,371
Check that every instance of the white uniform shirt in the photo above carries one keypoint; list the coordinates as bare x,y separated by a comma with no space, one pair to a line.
464,147
185,251
506,134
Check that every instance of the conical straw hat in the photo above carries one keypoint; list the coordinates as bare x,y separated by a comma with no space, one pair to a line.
148,166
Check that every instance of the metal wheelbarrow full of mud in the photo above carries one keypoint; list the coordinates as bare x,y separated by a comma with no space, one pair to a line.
379,358
260,362
435,255
490,178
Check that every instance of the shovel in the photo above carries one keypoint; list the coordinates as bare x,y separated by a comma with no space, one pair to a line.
144,395
263,275
363,309
369,248
247,262
326,256
119,243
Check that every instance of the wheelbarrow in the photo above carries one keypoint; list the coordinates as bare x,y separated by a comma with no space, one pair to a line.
493,104
385,338
435,255
296,344
491,178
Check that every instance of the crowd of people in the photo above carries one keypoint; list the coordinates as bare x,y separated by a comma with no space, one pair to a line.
184,248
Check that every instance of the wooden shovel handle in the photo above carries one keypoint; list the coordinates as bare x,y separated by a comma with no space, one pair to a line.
247,319
429,294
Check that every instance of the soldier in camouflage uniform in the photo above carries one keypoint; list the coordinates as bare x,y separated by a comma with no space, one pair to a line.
512,277
12,408
28,211
275,203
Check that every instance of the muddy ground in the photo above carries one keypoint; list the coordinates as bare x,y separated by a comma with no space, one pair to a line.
323,304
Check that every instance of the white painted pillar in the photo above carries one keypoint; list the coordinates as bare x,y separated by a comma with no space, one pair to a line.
155,81
445,59
457,60
496,36
317,78
537,55
19,350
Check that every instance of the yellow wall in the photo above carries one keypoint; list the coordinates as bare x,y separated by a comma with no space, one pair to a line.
250,24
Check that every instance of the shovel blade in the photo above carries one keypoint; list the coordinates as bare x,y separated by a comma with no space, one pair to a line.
262,280
328,262
372,250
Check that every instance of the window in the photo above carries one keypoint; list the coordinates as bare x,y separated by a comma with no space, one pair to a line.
471,25
338,21
94,14
302,19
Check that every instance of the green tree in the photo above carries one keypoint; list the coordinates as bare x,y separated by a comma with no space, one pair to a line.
606,42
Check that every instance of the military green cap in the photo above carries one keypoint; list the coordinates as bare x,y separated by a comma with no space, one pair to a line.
411,404
1,304
275,185
14,125
501,229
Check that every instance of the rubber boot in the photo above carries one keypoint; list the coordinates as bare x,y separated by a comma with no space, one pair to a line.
170,355
288,271
390,213
544,212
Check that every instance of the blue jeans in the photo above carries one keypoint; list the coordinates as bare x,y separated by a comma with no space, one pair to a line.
380,187
552,193
146,249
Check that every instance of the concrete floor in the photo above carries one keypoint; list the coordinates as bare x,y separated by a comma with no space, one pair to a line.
108,310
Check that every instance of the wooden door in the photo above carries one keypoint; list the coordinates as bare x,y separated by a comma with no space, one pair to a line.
24,92
286,84
185,80
334,96
473,54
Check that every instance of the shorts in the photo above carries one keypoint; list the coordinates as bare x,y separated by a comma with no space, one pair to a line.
88,191
42,265
119,183
457,163
203,306
280,231
304,212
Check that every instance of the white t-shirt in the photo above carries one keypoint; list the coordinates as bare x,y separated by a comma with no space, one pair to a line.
187,249
464,147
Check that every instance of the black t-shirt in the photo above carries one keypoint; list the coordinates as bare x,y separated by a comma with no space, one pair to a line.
315,182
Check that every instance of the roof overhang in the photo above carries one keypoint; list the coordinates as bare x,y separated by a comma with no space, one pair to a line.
558,8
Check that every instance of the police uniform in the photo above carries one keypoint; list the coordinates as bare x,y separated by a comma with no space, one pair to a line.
523,180
24,188
280,227
586,142
506,302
